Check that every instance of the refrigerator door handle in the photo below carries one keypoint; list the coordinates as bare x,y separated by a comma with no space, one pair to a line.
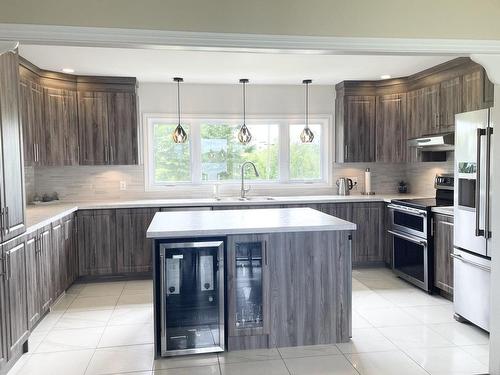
479,133
489,132
474,264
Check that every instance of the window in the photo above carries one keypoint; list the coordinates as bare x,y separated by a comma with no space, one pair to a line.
214,154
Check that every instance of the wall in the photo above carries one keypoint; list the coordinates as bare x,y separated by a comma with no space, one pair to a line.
382,18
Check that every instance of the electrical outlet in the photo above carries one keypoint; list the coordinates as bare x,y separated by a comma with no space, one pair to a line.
123,185
354,182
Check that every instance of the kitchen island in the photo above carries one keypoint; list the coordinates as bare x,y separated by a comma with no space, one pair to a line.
246,279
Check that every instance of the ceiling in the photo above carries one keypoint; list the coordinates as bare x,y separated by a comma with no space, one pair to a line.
160,65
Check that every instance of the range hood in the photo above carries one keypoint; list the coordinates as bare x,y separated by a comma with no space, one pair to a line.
434,142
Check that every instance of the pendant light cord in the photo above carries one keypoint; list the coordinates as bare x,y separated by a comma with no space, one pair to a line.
244,103
179,101
307,105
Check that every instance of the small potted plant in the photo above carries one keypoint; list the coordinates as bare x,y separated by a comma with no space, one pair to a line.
402,187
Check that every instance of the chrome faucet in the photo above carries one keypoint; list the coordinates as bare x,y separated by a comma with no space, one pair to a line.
243,190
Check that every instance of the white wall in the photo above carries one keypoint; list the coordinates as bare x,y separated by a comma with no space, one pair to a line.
227,99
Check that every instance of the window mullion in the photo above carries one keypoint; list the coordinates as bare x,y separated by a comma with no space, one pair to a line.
195,152
284,152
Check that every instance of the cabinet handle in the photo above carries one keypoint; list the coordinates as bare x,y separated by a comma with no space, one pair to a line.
7,266
2,219
2,271
34,152
7,220
265,253
38,153
106,155
346,152
111,158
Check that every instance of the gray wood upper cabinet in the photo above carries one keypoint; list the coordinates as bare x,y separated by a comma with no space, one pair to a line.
443,248
96,242
60,127
132,247
355,128
477,91
450,103
31,101
248,285
14,253
122,128
93,125
391,131
12,205
108,127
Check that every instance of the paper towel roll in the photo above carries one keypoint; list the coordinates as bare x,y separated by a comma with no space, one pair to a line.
368,181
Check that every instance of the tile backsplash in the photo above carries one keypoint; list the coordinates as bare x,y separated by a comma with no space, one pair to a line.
86,183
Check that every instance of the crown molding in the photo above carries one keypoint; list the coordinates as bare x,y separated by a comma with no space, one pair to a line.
135,38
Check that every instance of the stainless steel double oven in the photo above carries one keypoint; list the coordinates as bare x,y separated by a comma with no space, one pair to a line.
412,251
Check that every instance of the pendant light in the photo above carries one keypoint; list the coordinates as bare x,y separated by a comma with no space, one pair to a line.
307,135
179,135
244,135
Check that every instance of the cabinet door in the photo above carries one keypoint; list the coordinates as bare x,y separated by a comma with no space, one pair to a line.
367,240
31,101
122,128
93,127
33,278
61,127
443,248
70,251
431,109
45,244
12,190
97,242
57,260
16,293
391,138
477,91
450,103
359,129
133,249
248,287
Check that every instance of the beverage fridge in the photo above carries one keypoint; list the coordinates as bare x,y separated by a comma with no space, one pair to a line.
472,230
191,297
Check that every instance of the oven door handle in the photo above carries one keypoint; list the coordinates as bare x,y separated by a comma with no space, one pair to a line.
477,265
408,238
407,210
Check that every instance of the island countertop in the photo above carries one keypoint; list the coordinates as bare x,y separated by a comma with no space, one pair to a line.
220,223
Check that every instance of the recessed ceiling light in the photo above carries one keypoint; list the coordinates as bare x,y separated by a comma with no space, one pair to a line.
67,70
385,76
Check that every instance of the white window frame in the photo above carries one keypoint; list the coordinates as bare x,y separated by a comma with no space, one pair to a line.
194,122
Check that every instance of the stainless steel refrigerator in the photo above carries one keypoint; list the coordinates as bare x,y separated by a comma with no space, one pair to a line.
472,231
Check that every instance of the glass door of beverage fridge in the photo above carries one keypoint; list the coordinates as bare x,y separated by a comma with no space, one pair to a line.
192,297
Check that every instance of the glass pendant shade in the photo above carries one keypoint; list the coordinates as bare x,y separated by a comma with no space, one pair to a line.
179,135
307,136
244,135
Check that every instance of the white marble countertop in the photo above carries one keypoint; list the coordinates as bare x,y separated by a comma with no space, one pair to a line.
219,223
38,216
446,210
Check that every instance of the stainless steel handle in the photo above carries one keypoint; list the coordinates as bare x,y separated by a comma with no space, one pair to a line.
106,154
38,153
111,158
265,253
411,239
489,132
34,152
478,265
346,152
479,133
407,210
3,268
432,226
162,296
2,220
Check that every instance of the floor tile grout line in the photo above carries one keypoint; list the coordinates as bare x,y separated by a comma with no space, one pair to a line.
283,360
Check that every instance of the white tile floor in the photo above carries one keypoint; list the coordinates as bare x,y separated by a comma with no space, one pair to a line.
106,328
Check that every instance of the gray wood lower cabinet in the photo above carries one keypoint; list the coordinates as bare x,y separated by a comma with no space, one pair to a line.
33,278
97,242
132,247
70,250
45,264
443,248
368,238
16,302
57,259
